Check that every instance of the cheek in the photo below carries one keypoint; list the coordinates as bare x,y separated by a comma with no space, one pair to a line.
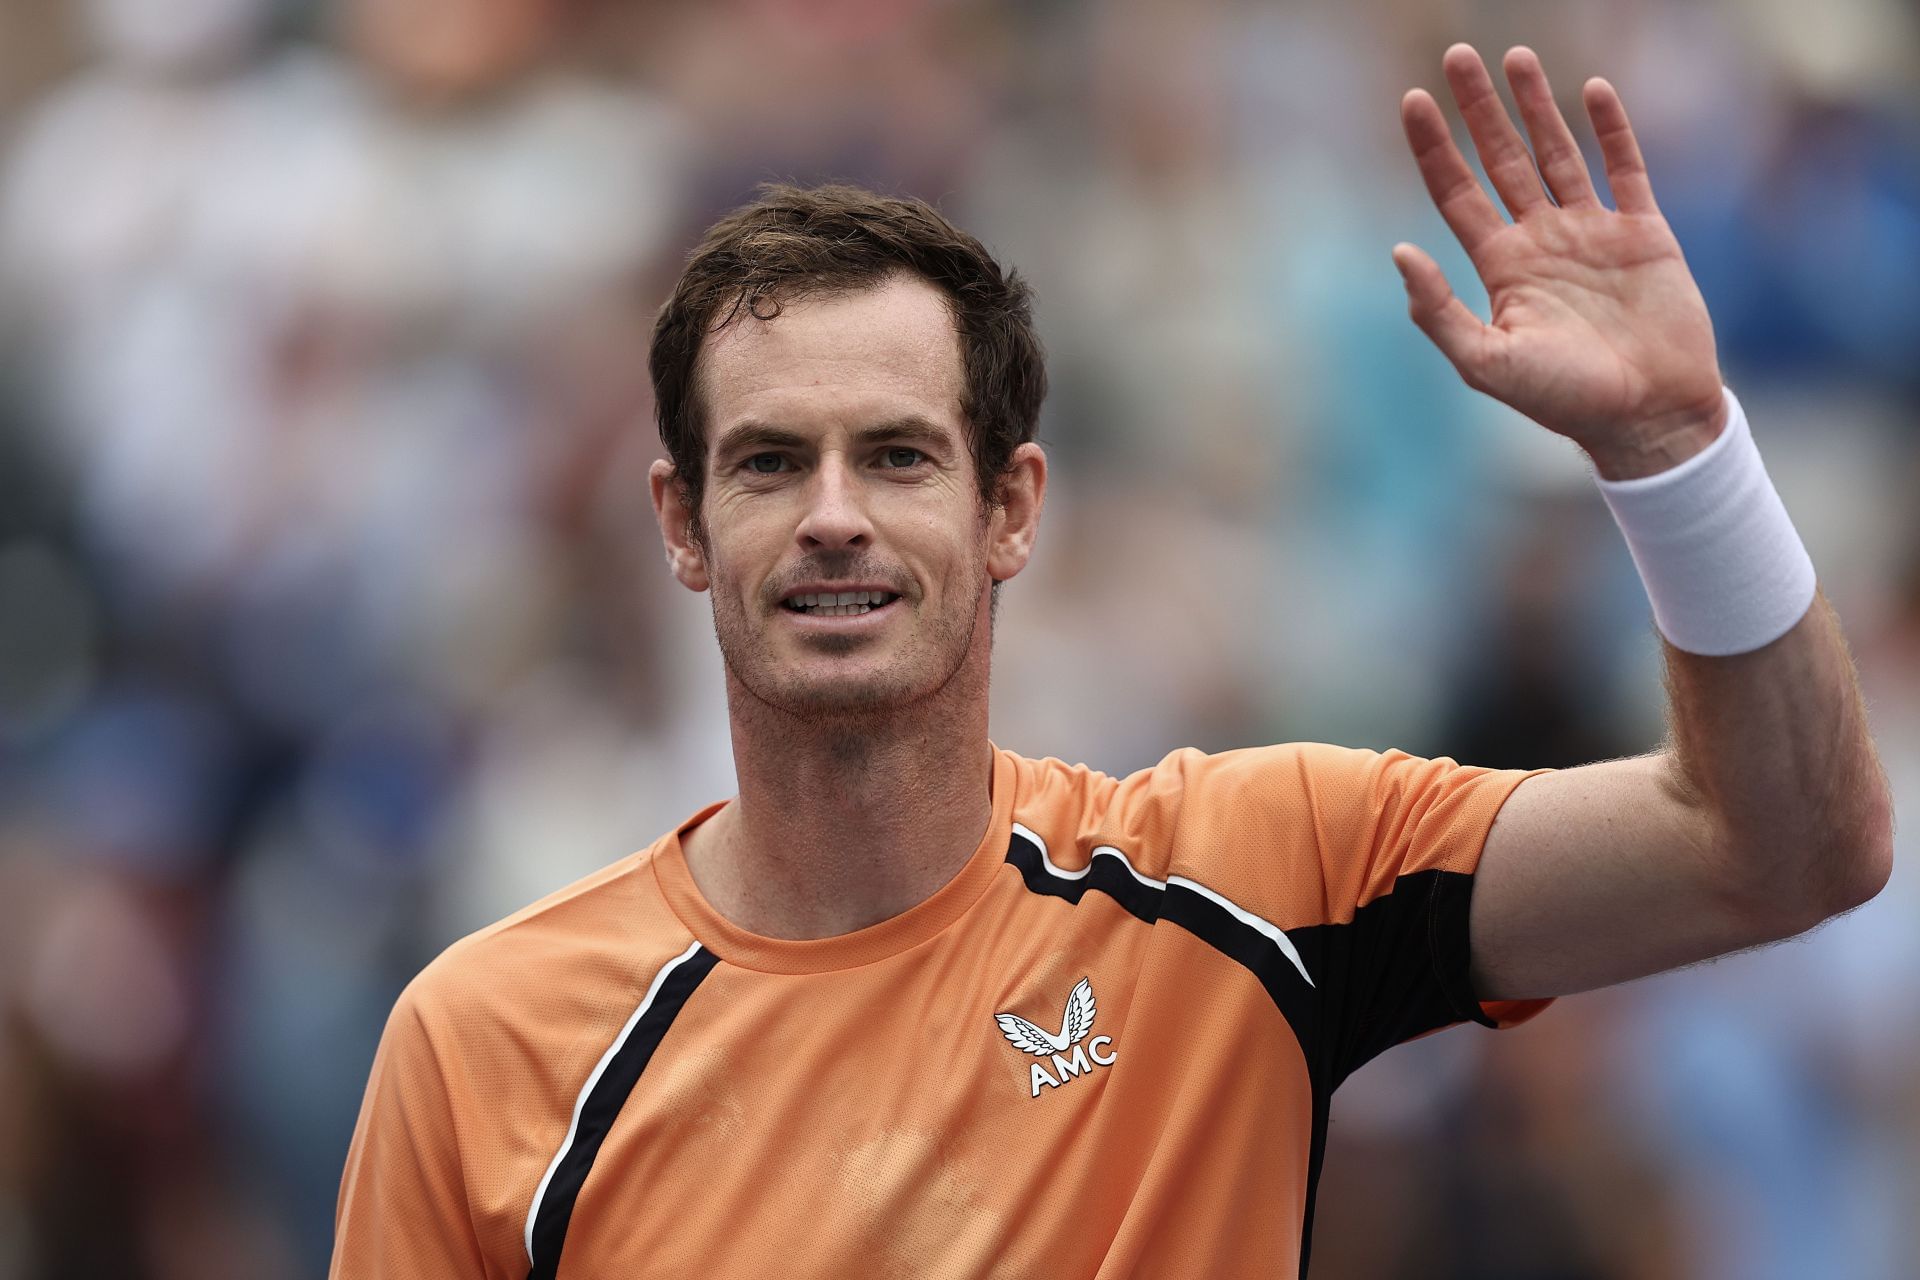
743,545
954,566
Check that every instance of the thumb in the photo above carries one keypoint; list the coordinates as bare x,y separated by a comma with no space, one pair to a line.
1431,304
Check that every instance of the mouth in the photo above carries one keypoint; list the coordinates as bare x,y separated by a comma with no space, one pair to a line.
837,604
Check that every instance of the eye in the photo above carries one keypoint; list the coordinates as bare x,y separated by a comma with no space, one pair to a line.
765,464
901,457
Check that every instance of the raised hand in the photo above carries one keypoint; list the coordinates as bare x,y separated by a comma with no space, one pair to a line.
1598,330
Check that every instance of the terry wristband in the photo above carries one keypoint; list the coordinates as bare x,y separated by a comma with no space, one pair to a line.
1720,559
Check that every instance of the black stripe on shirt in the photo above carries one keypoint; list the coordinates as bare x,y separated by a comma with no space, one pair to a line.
602,1104
1397,970
1105,873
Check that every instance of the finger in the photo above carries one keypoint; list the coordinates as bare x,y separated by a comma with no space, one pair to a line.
1626,170
1554,150
1461,335
1458,195
1503,155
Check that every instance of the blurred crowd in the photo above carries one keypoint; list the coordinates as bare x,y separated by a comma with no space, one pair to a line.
333,622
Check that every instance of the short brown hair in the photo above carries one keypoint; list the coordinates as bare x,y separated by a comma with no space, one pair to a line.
795,242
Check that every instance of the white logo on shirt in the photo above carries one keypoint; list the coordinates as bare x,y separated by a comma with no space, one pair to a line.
1075,1023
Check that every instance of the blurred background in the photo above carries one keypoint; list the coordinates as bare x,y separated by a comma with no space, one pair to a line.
333,621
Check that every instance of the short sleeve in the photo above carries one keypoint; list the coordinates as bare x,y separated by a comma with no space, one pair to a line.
403,1211
1366,860
1399,838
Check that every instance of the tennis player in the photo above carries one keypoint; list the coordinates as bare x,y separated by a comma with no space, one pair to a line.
914,1005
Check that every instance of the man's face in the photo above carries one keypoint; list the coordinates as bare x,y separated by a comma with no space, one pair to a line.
837,462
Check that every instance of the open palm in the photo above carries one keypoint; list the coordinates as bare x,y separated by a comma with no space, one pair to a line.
1598,331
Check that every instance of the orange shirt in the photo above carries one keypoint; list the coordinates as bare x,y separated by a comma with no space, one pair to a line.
1105,1048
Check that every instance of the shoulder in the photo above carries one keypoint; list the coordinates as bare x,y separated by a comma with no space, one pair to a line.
1303,780
484,1054
1190,776
569,963
1190,799
1307,822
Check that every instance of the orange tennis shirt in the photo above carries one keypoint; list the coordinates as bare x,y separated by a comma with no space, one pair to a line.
1105,1048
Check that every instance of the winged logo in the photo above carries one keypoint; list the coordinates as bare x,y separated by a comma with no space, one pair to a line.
1074,1025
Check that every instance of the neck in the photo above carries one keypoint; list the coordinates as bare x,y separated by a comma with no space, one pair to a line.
843,823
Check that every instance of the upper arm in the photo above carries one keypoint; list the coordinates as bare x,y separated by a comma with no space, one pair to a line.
403,1210
1602,873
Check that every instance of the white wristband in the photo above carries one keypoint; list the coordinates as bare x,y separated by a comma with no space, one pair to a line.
1720,559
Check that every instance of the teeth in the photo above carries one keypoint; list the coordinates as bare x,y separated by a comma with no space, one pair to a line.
840,604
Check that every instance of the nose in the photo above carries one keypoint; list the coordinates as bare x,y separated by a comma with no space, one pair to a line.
836,516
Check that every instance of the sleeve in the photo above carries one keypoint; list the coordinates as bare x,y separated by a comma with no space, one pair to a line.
1398,839
1366,861
403,1209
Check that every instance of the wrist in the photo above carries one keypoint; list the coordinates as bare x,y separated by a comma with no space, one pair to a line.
1648,448
1723,567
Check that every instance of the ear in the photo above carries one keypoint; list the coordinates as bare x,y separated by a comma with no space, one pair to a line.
684,556
1015,522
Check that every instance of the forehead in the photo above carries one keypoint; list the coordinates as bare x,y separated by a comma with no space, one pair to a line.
846,359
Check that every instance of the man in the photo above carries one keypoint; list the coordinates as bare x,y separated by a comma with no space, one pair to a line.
913,1005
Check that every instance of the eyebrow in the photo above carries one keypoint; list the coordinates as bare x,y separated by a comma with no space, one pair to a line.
756,435
753,434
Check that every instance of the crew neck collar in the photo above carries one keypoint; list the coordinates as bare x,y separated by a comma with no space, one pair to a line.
911,927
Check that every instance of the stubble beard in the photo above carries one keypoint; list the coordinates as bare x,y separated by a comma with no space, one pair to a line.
851,709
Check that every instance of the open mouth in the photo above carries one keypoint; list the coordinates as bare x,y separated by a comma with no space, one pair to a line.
838,604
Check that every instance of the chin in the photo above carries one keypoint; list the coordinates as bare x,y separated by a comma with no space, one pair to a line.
844,695
827,679
821,687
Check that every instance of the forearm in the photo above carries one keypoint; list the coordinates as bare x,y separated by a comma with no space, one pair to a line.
1771,749
1770,754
